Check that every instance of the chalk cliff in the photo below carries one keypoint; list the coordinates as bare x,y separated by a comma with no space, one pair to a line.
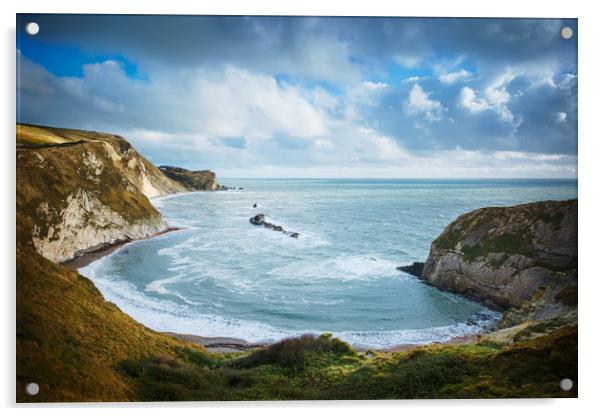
81,190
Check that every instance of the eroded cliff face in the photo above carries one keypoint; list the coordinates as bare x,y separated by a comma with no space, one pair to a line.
78,191
522,257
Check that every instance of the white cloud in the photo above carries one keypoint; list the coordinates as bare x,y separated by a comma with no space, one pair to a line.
470,100
410,79
374,85
407,60
453,77
561,117
418,102
238,103
566,80
495,97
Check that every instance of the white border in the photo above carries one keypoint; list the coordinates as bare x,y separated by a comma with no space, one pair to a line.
590,176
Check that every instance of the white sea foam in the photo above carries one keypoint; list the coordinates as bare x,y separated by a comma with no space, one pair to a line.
165,315
343,267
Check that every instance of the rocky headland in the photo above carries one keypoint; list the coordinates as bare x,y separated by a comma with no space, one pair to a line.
192,180
520,259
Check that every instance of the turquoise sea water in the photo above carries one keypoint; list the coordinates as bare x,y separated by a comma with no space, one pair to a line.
222,276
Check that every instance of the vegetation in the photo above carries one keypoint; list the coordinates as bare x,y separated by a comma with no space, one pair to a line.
484,231
323,368
69,339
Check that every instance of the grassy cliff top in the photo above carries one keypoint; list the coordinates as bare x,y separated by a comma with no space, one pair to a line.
29,135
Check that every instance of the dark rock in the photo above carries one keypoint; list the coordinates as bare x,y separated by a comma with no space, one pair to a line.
257,219
415,269
240,189
254,205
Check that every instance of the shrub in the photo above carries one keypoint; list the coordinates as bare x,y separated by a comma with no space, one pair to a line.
297,353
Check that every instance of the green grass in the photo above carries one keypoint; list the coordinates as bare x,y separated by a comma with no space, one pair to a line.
324,368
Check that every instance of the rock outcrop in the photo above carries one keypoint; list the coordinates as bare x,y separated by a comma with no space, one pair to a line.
193,180
80,190
415,269
259,219
522,258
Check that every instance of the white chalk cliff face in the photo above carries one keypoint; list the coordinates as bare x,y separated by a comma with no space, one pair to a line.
86,224
81,191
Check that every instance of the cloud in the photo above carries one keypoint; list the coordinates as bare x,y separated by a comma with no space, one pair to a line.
418,102
495,97
470,101
272,94
238,103
453,77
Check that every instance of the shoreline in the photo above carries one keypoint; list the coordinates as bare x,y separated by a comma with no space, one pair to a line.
94,254
226,345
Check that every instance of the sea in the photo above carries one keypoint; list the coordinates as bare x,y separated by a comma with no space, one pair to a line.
221,276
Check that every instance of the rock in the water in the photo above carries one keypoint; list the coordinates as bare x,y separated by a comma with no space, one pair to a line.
415,269
258,219
254,205
504,256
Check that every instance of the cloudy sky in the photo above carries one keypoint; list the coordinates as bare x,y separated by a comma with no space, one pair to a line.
312,97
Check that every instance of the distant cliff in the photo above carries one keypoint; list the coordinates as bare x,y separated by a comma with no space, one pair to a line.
522,257
81,190
192,180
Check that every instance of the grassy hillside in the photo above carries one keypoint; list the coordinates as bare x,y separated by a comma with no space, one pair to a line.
70,341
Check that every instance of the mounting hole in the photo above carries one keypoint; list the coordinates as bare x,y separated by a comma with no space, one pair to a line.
566,384
566,32
32,389
32,28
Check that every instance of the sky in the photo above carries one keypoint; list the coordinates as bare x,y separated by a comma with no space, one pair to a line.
312,96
